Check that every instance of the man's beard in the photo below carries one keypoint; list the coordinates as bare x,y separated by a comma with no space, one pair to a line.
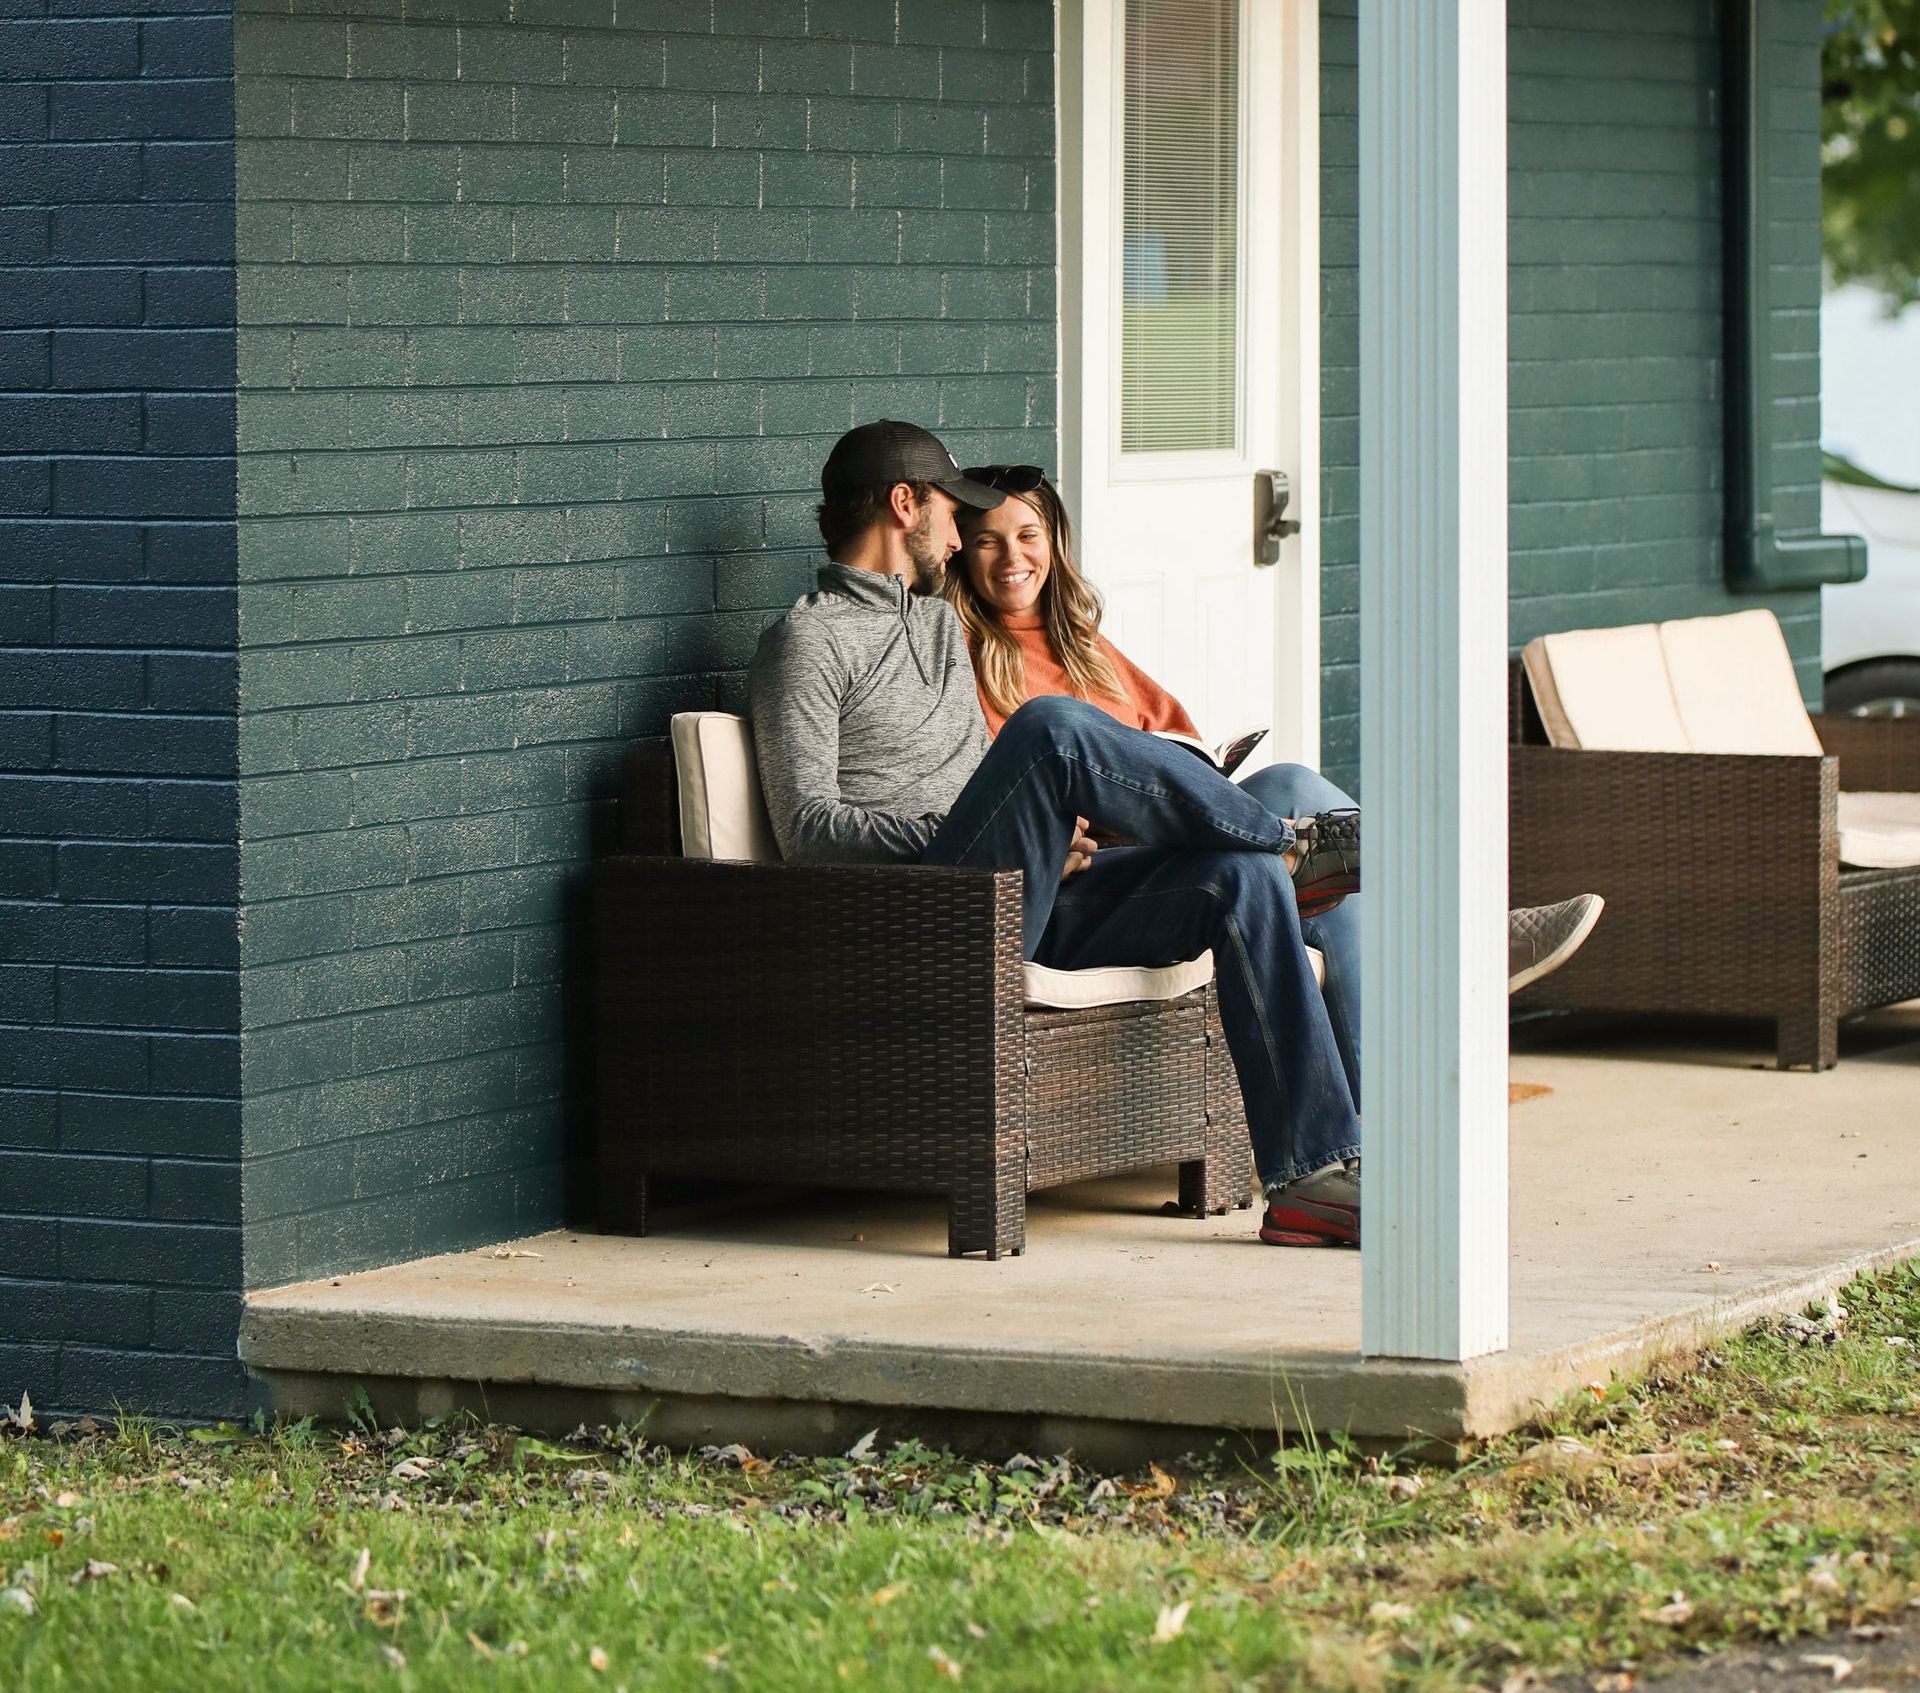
928,555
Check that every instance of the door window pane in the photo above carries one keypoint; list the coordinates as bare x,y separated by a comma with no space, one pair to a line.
1180,225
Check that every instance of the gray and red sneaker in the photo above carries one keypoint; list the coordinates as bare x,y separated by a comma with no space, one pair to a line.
1322,1209
1328,867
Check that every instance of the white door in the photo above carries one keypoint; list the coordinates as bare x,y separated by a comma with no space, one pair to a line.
1189,344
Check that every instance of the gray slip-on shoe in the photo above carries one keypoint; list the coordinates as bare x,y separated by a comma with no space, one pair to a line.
1540,938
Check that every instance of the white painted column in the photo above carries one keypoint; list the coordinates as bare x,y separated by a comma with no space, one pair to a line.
1433,649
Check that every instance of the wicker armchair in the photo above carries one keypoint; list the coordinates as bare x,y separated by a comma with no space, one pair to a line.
865,1027
1722,875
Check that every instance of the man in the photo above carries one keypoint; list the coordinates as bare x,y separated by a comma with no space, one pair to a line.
872,747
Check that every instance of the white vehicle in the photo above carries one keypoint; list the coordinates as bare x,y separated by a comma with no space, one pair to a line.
1870,630
1870,412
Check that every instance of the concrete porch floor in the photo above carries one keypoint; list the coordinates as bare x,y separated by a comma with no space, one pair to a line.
1667,1190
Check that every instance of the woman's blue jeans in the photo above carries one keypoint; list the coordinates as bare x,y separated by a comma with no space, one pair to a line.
1208,873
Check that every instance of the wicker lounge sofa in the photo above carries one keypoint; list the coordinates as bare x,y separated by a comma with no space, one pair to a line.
873,1026
1756,861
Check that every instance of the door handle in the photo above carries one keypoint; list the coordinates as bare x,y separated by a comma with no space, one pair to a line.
1271,525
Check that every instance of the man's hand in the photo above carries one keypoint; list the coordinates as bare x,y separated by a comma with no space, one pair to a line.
1080,853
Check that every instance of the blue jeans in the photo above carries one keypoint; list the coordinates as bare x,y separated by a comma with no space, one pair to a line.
1294,790
1206,874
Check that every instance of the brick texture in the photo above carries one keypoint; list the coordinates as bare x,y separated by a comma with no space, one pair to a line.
119,985
546,324
1615,326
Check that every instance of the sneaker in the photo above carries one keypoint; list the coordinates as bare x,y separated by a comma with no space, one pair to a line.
1322,1209
1540,938
1328,867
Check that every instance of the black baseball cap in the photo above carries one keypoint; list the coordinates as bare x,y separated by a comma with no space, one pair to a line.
886,451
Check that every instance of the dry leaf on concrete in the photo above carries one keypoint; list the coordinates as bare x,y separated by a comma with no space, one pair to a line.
880,1287
1613,1681
1835,1665
513,1252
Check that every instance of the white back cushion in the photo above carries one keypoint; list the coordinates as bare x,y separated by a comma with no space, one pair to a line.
1605,690
1733,685
722,814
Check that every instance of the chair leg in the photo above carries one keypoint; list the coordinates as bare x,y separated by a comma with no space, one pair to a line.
1807,1041
988,1216
1219,1182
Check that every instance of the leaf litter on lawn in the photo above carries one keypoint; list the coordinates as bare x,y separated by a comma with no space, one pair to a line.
1766,1489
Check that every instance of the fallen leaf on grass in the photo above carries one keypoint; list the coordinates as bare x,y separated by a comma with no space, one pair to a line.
1614,1681
1835,1665
1386,1610
1158,1485
1562,1456
1523,1680
480,1646
94,1569
886,1595
862,1449
1406,1486
18,1416
358,1580
382,1608
942,1664
220,1434
1650,1463
1173,1620
716,1660
596,1660
513,1252
1677,1610
17,1599
411,1469
180,1602
396,1659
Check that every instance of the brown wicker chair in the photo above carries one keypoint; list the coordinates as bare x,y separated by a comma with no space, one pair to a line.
1722,875
864,1027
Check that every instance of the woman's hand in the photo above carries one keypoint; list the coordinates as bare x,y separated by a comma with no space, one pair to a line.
1080,853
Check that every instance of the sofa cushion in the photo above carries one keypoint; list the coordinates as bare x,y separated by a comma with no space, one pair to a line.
1072,990
1733,685
721,812
1879,831
1605,690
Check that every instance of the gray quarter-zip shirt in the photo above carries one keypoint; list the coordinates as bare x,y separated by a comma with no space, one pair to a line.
866,724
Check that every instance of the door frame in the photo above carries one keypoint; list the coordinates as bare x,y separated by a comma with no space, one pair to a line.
1085,181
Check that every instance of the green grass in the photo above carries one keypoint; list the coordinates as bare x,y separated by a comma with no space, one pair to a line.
1767,1490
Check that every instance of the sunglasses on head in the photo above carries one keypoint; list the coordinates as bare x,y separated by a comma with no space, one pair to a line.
1007,478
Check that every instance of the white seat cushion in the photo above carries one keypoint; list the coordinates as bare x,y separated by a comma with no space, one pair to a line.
1605,690
1072,990
722,814
1879,831
1734,688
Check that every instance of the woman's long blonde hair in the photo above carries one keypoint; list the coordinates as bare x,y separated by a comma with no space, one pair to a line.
1069,608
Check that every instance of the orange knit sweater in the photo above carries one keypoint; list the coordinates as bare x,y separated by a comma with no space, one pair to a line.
1147,705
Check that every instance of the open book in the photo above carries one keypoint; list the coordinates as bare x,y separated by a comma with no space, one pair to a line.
1227,757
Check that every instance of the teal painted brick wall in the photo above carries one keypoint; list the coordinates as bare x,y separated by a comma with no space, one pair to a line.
545,326
1615,325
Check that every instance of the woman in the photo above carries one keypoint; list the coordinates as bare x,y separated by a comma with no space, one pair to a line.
1033,627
